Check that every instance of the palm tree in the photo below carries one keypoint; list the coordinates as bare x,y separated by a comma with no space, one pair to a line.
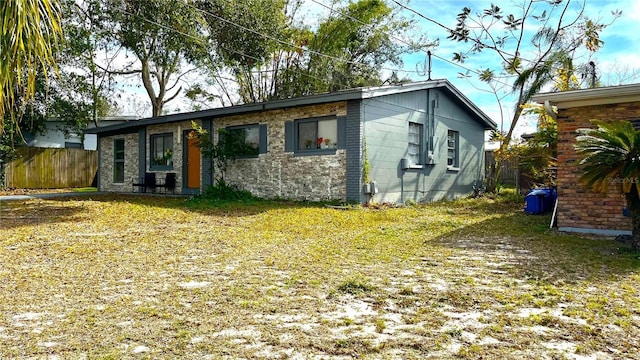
611,154
29,32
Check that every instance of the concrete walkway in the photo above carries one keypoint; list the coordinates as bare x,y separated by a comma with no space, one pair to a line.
81,194
49,195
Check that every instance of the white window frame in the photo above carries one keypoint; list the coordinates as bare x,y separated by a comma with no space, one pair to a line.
415,144
453,150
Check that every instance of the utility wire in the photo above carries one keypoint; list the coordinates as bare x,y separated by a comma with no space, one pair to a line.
408,43
197,39
261,35
266,36
416,12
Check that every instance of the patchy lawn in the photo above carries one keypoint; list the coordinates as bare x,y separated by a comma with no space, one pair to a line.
149,277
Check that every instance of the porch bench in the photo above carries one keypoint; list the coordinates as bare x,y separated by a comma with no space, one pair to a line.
146,182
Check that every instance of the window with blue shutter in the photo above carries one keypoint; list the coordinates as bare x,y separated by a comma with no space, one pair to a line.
315,136
246,140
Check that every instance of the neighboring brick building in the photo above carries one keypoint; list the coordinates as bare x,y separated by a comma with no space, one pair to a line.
424,141
580,210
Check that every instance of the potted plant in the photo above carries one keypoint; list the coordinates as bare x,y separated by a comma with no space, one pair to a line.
168,156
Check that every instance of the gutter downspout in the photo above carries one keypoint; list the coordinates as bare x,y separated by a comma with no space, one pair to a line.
549,109
554,116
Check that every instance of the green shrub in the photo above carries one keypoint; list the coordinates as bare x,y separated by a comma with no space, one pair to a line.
223,191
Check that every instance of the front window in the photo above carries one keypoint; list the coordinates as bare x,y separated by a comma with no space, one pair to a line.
415,143
452,149
317,134
162,151
242,140
118,161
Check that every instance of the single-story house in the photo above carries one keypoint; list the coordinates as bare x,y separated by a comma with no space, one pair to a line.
581,210
412,142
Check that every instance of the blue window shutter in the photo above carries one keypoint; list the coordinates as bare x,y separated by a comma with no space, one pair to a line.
263,139
288,136
342,132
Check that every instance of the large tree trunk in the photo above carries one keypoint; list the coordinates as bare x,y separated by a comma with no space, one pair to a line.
494,175
633,202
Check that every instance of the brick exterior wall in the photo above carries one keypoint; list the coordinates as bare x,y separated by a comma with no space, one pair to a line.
133,157
107,161
274,174
577,207
283,174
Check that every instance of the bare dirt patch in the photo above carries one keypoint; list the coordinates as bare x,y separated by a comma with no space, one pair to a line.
131,277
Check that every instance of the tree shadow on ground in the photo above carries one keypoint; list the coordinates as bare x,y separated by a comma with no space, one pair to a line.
62,208
524,246
33,212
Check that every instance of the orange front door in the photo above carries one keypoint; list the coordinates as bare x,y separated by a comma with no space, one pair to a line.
193,164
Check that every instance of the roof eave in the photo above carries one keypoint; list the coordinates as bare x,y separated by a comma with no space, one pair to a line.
488,123
344,95
590,97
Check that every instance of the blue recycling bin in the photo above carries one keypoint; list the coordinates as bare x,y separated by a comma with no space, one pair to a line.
550,201
540,201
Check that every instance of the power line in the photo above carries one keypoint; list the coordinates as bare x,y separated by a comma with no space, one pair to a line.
266,36
450,30
407,43
197,39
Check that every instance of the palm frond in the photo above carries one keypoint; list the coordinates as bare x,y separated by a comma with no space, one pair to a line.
610,155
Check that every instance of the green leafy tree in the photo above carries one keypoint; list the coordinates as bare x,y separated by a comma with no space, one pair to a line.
554,44
245,34
163,37
37,97
84,40
283,58
358,39
611,155
349,49
537,157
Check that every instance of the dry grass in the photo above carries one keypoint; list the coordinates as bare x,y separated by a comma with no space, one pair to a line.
147,277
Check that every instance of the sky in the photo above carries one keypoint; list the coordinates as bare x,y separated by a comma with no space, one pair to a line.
618,61
619,55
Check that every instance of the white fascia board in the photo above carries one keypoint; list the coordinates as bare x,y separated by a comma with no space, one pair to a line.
590,97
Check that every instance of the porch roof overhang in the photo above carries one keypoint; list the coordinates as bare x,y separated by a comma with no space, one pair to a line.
343,95
590,97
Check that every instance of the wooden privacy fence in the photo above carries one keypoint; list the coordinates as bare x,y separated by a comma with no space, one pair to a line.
509,174
46,168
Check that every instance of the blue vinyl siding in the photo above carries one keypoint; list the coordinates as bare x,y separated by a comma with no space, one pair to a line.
386,130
